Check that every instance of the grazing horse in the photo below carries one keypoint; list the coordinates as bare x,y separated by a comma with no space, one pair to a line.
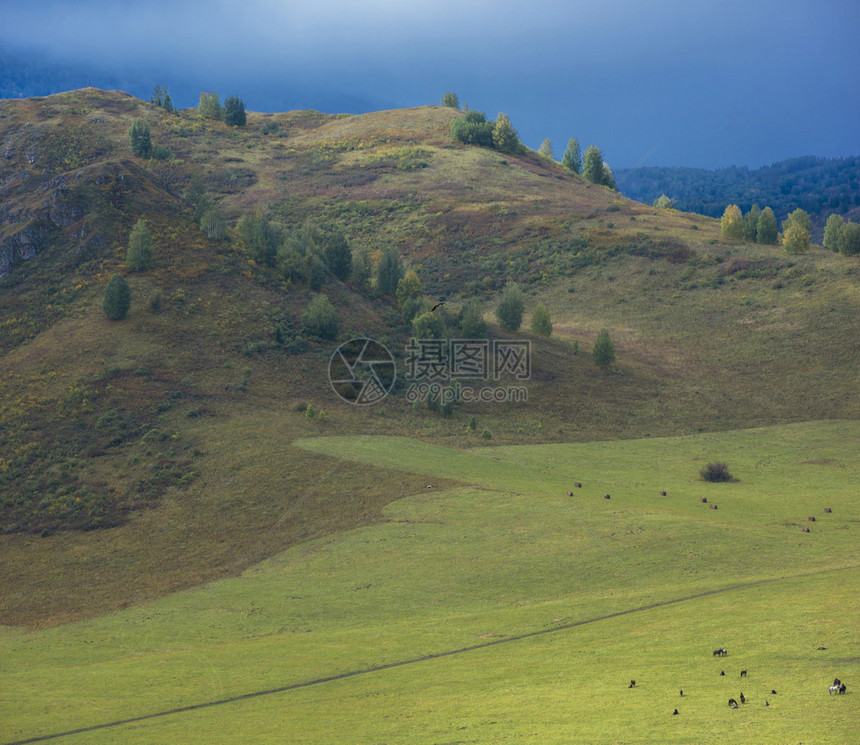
632,684
721,652
838,688
833,689
837,682
733,703
743,700
743,673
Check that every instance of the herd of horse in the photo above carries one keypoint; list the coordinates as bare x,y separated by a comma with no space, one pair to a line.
837,687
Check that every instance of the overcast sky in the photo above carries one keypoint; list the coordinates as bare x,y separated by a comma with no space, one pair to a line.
704,84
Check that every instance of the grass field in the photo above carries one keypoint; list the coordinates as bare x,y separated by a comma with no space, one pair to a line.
506,554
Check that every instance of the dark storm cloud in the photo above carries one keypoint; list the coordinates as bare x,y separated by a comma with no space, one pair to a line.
710,84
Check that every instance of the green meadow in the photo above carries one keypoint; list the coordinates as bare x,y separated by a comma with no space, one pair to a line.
640,586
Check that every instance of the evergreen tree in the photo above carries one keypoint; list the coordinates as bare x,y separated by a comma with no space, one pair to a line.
572,158
831,232
321,319
388,272
505,137
751,223
234,112
117,298
338,256
849,239
767,232
592,164
732,223
209,106
141,142
510,309
546,149
451,100
472,322
664,203
603,351
139,254
541,322
795,237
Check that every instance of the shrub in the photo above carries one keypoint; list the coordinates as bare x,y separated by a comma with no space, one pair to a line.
161,152
716,472
451,100
603,351
139,254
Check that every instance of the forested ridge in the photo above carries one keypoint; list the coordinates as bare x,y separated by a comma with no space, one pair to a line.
821,186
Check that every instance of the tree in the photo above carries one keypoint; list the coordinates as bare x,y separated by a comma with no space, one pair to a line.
427,325
388,272
603,351
849,239
801,217
541,322
160,97
362,269
510,309
409,288
592,164
451,100
732,223
117,298
767,232
572,158
209,106
472,322
664,203
751,223
234,112
546,149
795,237
261,239
195,195
213,224
338,256
831,231
139,254
141,142
505,137
473,129
320,319
608,178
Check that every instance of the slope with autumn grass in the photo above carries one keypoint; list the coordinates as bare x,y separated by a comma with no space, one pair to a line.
160,446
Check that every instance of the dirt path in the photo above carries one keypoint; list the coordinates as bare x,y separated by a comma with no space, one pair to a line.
416,660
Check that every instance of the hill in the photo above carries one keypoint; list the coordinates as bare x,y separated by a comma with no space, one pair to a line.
162,445
821,186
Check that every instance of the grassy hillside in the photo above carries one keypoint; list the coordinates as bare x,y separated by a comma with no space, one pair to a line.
548,604
160,446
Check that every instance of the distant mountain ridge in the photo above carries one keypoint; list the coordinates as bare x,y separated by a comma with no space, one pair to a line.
821,186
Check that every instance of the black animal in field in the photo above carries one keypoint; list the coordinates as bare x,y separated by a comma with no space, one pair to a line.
733,704
743,673
721,652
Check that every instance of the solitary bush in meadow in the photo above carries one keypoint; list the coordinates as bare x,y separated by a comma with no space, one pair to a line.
716,472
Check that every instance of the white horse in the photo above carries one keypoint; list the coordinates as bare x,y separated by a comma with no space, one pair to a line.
835,689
